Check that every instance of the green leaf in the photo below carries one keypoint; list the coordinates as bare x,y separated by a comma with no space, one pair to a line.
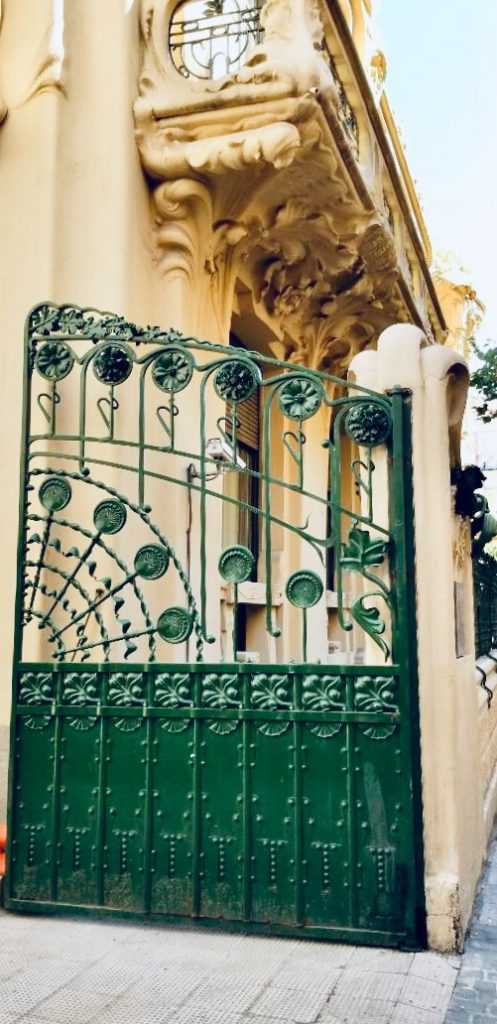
370,620
361,551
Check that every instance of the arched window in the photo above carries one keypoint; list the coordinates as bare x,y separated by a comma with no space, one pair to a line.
211,38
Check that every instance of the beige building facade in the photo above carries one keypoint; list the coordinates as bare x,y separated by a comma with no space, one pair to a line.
233,171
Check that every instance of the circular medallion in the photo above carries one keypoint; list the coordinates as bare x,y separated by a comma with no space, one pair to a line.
112,364
236,564
109,516
173,370
54,360
368,424
175,625
236,380
304,589
55,493
300,397
151,561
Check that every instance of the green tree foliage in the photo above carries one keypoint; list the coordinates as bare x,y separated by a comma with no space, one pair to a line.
484,380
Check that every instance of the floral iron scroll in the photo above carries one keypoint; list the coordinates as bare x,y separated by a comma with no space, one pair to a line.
369,425
98,561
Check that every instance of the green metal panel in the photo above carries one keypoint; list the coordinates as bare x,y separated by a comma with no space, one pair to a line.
266,797
284,816
485,595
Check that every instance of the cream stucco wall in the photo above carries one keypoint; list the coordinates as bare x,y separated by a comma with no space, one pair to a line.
75,207
458,733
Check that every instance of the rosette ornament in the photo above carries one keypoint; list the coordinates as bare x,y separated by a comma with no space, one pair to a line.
112,364
54,360
237,380
300,398
173,370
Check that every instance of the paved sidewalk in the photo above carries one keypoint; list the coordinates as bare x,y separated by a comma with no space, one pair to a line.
475,996
62,971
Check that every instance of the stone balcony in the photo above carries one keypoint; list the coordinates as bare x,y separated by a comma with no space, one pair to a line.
283,177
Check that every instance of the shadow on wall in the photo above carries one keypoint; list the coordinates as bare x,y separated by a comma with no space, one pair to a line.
4,769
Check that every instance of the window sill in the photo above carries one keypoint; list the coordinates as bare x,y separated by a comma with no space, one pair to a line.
332,599
255,594
251,593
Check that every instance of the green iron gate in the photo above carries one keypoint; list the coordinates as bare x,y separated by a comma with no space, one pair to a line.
267,797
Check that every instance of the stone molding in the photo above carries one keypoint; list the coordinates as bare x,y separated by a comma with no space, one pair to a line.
320,261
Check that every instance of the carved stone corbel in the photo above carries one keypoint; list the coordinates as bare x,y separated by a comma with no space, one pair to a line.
183,218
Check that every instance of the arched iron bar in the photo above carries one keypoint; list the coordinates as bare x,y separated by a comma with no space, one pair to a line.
48,621
143,515
165,450
110,552
188,341
60,643
315,542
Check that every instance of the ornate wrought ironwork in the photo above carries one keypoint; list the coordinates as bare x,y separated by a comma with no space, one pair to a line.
211,38
72,462
282,811
346,115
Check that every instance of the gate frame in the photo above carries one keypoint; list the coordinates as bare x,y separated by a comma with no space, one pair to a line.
402,571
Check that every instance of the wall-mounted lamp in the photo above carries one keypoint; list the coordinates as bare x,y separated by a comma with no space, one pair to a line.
220,451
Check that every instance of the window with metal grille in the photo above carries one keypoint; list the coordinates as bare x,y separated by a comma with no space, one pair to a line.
241,521
211,38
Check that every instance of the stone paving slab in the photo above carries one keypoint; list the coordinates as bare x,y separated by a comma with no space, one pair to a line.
64,971
474,999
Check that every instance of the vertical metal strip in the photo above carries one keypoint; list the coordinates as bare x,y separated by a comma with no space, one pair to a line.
351,807
100,824
148,822
298,754
141,439
55,809
197,803
203,513
21,559
247,755
403,569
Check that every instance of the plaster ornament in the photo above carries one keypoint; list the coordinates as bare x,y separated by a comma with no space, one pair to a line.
377,249
224,150
317,347
50,70
183,219
378,65
274,144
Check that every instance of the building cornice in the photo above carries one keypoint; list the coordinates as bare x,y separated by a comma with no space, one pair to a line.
368,98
